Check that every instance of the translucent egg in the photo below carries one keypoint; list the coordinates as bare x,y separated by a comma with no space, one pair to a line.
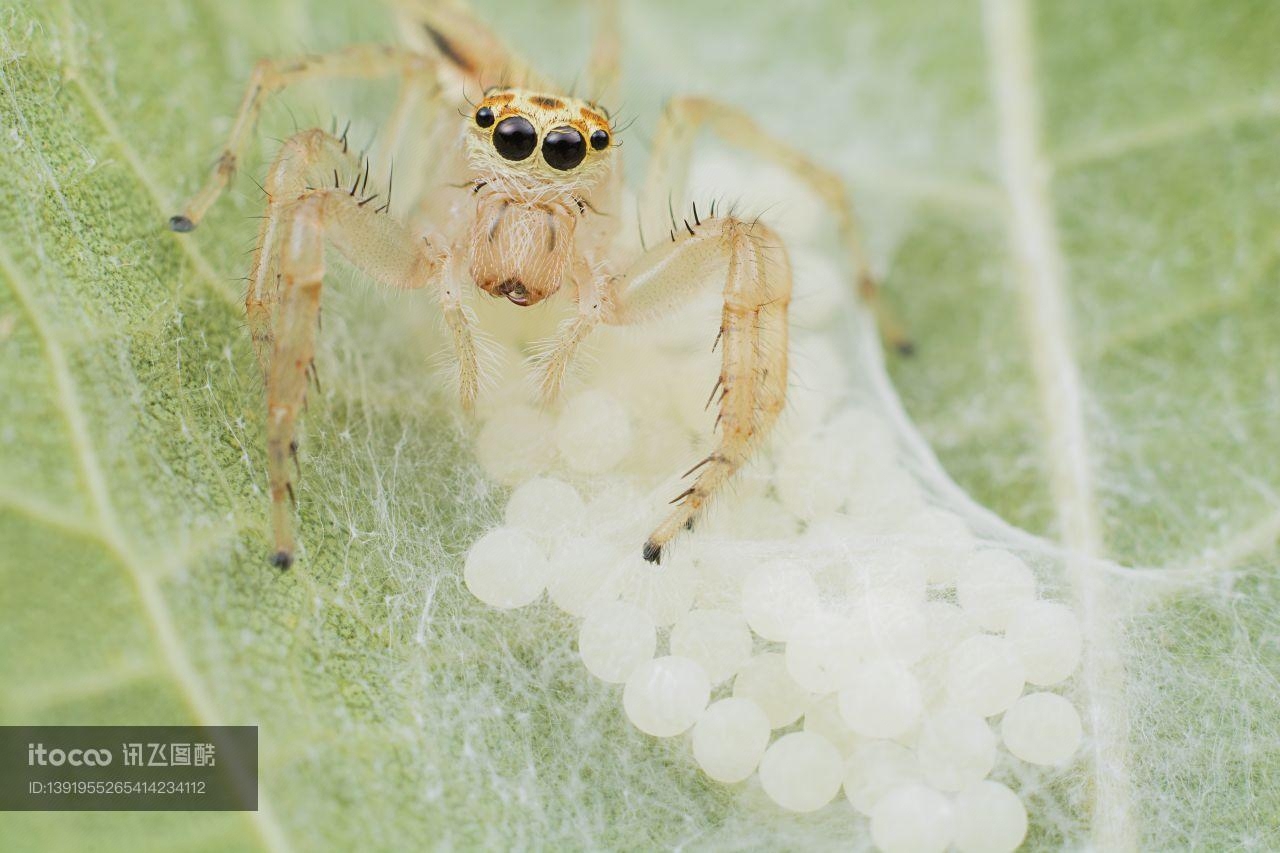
729,739
896,571
875,768
583,575
955,749
912,819
991,585
593,432
618,511
894,627
1046,637
989,819
1042,728
822,651
720,572
775,597
718,640
615,640
984,675
663,590
812,475
515,444
883,496
505,568
882,699
545,508
801,771
665,696
944,541
765,680
824,719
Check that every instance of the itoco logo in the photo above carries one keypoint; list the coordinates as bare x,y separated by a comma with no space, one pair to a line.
37,754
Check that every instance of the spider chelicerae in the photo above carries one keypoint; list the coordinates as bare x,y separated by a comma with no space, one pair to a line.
524,199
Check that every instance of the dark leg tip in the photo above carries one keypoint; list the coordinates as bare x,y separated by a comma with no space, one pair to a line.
906,348
652,552
181,224
282,559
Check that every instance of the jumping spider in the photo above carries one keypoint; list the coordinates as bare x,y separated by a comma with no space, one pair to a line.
524,199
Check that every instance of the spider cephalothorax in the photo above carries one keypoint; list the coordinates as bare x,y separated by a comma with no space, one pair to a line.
534,157
523,201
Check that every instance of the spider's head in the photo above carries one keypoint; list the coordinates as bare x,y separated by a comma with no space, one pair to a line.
539,141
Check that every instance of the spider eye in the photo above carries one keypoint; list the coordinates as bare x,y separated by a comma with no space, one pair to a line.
484,117
563,148
515,138
599,140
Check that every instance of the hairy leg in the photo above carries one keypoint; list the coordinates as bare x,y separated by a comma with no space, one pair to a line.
752,384
288,267
665,186
361,61
449,30
605,62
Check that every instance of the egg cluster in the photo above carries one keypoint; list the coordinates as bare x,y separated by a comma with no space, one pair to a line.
826,628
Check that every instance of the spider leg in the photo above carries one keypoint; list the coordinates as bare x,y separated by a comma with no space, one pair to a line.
304,211
449,30
363,61
605,61
666,183
753,337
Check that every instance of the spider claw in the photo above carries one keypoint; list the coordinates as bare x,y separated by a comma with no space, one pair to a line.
282,559
652,552
181,224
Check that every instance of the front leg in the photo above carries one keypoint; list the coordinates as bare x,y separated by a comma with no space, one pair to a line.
752,384
662,196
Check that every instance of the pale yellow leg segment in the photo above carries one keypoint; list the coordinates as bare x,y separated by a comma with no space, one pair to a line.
284,293
752,385
666,182
448,29
605,62
270,76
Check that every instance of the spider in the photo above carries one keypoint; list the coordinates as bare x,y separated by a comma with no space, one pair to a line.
524,199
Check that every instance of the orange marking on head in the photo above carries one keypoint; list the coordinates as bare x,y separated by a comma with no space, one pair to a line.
496,100
548,102
594,117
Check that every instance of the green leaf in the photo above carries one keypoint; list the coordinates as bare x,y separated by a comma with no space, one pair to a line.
1075,207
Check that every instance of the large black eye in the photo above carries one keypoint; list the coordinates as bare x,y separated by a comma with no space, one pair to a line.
515,138
484,117
563,148
599,140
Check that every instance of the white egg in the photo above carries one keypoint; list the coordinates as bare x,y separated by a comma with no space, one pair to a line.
989,819
875,768
615,640
593,432
1046,637
665,696
801,771
764,680
729,739
882,699
991,585
717,639
984,675
775,597
955,748
506,568
1042,728
912,818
